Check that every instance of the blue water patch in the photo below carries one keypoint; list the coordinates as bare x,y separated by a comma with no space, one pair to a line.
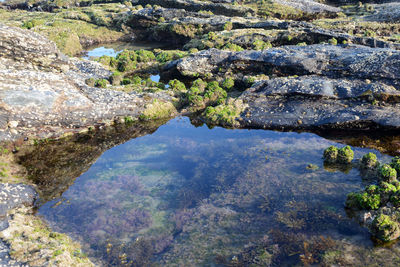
195,196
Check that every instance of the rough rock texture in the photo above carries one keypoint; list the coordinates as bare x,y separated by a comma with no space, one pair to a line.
345,60
12,196
226,9
309,6
345,86
311,102
43,91
389,12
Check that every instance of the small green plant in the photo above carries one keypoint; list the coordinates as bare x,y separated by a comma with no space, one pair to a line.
128,119
333,41
233,47
395,164
102,83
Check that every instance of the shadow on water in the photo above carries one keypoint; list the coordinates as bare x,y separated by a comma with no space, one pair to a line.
55,164
184,195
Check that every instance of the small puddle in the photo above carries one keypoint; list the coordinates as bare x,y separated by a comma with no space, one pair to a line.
194,196
113,49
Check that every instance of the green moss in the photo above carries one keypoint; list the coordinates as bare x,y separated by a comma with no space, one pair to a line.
384,228
363,200
387,173
333,41
369,160
145,55
395,164
102,83
157,110
228,84
345,155
228,26
233,47
177,86
165,56
261,45
225,114
331,154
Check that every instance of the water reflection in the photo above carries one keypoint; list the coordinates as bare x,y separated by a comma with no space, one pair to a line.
186,196
113,49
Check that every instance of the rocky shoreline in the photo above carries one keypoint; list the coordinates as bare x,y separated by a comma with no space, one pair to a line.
282,65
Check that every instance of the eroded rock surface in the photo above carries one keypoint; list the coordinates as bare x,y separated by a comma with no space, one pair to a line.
42,91
314,86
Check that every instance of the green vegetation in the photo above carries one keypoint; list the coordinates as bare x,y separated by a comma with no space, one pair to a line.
228,84
102,83
369,160
385,229
331,154
345,155
387,173
363,200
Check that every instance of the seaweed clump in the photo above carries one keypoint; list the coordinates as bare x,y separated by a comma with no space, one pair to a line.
378,205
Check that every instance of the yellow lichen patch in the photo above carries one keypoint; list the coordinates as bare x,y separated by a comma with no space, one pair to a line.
33,242
157,110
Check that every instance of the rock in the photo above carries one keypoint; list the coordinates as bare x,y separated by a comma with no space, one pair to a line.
42,90
309,6
330,60
218,8
320,102
389,12
338,87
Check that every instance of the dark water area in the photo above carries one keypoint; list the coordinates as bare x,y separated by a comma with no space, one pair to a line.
194,196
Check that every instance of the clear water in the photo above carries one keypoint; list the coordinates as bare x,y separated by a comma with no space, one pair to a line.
194,196
113,49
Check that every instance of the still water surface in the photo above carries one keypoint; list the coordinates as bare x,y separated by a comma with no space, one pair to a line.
194,196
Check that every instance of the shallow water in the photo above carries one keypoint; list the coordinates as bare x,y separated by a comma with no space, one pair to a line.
113,49
187,196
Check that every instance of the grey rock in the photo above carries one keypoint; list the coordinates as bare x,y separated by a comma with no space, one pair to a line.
217,7
389,12
314,102
309,6
44,93
329,60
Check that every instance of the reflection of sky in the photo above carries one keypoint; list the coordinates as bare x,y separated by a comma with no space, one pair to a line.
178,154
101,51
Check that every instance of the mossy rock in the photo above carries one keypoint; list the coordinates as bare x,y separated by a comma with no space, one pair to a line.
395,164
369,161
363,200
345,155
384,228
387,173
331,154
